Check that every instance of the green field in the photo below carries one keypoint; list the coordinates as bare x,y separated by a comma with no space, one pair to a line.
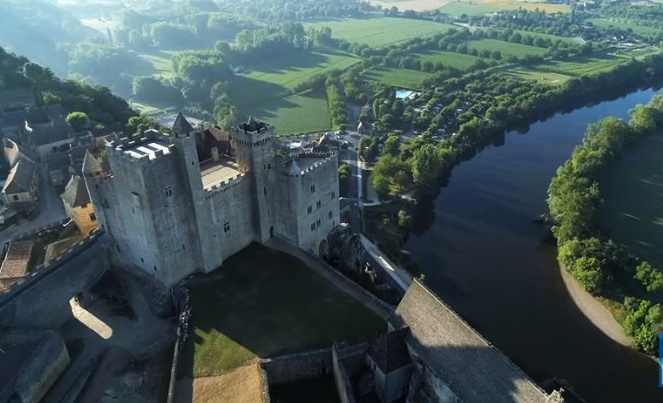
394,77
580,66
289,70
301,113
458,8
577,40
264,303
381,31
545,77
624,24
633,200
451,59
506,48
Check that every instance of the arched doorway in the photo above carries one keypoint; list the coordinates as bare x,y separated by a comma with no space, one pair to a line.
323,249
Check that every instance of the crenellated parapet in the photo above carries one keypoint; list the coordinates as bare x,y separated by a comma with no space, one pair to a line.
224,186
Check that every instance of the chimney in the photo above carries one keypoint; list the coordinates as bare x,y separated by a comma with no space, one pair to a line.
215,154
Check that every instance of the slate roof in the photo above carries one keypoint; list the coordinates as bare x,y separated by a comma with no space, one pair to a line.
37,116
389,352
181,125
52,134
13,119
75,193
475,371
20,177
14,153
91,165
65,159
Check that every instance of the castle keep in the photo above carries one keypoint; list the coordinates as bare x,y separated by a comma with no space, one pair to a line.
182,203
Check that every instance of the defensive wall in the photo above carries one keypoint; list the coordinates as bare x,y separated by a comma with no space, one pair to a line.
41,300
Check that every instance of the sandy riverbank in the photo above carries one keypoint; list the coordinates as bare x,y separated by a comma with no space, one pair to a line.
598,314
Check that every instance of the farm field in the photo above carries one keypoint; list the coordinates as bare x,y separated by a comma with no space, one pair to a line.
577,40
506,48
301,113
582,65
458,8
633,202
456,60
544,77
381,31
266,303
624,24
395,77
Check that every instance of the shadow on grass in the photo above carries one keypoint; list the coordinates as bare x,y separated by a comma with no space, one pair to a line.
265,303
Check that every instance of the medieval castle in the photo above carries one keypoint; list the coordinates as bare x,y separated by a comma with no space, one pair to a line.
182,203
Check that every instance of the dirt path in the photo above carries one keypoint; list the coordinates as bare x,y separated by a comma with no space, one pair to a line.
599,315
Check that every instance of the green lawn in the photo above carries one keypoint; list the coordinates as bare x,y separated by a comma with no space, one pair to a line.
394,77
624,24
506,48
381,31
527,5
451,59
545,77
633,200
585,65
264,303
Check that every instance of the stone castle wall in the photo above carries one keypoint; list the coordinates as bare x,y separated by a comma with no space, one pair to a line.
298,367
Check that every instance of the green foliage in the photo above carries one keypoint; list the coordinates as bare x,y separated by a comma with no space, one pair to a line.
589,273
79,121
392,176
344,176
404,219
426,168
156,91
650,278
336,103
643,323
137,125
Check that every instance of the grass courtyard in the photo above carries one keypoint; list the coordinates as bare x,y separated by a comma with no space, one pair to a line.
264,303
633,200
381,31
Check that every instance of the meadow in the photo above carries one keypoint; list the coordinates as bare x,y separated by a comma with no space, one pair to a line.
545,77
381,31
266,303
456,60
506,48
624,24
633,200
395,77
584,65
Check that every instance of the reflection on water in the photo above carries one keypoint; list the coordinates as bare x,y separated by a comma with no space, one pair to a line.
482,253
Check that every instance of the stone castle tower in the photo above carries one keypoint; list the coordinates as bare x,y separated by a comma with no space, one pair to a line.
183,203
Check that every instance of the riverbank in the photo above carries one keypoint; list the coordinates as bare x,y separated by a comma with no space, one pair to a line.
594,310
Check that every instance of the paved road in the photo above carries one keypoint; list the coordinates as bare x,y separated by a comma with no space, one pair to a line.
50,210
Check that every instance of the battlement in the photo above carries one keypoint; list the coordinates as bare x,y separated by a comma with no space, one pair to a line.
149,148
310,161
224,185
252,133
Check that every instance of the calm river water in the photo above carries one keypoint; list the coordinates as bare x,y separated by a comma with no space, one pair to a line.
486,258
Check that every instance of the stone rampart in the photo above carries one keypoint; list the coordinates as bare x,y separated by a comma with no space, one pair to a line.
298,367
41,300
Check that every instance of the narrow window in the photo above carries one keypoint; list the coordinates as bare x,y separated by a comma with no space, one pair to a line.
118,248
15,197
310,209
318,204
168,190
183,247
331,215
93,217
312,188
226,227
264,191
142,260
333,195
155,269
317,223
313,227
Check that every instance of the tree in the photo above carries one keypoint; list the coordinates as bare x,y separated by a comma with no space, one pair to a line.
587,270
650,278
78,121
426,168
404,219
137,125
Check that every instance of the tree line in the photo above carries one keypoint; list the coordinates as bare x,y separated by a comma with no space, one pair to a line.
585,248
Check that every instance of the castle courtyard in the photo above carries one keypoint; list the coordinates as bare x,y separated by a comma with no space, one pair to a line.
264,303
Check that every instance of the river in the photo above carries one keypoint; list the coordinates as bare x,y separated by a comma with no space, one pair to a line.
483,255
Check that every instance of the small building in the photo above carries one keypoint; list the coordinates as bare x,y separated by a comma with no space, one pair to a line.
63,164
21,188
78,206
17,260
392,368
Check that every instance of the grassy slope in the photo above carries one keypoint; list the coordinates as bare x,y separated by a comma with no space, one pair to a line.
381,31
395,77
264,303
633,201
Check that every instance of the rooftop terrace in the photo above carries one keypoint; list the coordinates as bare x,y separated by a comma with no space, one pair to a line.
216,173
